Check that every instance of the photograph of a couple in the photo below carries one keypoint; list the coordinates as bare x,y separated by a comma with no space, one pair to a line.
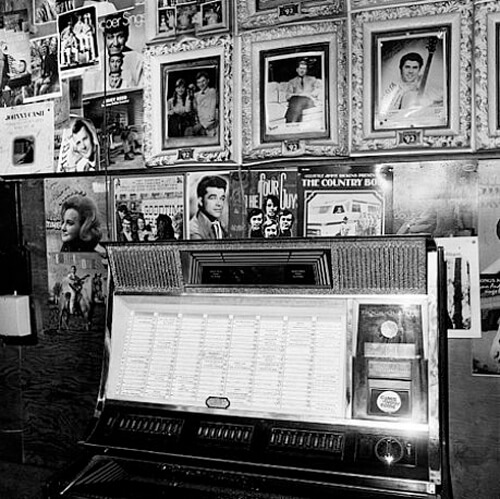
191,109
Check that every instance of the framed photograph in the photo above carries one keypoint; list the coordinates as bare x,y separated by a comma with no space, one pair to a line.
188,100
169,19
291,78
410,74
487,73
259,13
419,68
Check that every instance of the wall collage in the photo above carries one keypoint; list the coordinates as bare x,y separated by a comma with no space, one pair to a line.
210,119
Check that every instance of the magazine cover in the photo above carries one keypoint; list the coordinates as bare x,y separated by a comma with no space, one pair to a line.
149,208
75,213
436,198
346,201
121,37
119,123
27,144
263,204
207,197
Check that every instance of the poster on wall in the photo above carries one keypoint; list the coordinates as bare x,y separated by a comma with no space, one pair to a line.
27,144
46,11
121,38
462,280
45,74
439,198
76,223
79,150
489,218
263,204
76,214
149,208
207,198
79,50
486,350
78,287
118,119
346,201
15,61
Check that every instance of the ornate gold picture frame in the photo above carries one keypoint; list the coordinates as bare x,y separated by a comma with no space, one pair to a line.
434,42
294,91
188,100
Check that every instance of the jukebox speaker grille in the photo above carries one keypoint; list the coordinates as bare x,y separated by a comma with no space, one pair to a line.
148,268
387,266
390,264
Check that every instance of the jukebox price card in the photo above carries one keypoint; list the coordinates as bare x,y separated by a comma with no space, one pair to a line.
389,329
389,363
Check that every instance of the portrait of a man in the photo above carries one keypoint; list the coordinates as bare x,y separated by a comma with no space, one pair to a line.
411,82
295,90
211,195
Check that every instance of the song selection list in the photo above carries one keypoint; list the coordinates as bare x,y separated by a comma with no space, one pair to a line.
288,364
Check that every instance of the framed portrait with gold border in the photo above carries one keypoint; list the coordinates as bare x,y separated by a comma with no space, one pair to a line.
417,65
293,91
188,99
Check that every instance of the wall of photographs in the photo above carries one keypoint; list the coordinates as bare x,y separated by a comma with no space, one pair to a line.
203,119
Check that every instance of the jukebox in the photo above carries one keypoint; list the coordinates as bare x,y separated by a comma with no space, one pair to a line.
292,369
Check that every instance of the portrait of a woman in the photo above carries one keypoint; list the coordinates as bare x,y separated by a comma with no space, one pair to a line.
80,225
180,110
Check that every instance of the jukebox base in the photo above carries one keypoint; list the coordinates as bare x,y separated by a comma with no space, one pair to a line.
108,477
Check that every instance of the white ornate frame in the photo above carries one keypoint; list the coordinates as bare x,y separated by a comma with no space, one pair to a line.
487,73
185,51
288,10
457,14
299,36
